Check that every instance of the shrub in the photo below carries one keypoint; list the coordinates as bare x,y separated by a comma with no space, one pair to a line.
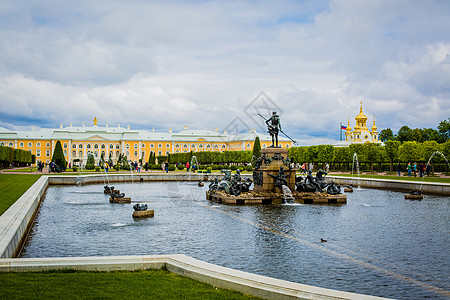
97,169
214,167
156,166
75,168
171,167
117,167
89,167
208,169
241,168
233,167
226,167
249,168
180,167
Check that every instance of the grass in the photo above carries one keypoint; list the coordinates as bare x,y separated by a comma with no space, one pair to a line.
145,284
12,186
393,177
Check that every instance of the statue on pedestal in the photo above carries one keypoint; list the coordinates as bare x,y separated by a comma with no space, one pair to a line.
273,126
280,179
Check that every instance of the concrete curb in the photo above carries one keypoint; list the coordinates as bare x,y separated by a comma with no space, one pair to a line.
222,277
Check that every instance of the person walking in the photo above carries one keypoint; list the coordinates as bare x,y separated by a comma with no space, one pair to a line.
399,168
187,166
415,169
409,167
167,167
428,169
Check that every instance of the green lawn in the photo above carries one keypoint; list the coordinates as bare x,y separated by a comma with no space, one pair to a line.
148,284
12,186
426,179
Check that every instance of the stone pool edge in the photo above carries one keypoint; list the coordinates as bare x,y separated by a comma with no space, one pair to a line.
218,276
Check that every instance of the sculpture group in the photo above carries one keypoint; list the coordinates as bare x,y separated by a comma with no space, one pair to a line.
273,177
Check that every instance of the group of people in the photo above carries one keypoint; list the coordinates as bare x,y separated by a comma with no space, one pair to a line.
422,169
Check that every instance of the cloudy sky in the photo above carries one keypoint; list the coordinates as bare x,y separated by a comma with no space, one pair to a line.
216,64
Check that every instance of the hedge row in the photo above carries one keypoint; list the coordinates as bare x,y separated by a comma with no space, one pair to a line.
19,157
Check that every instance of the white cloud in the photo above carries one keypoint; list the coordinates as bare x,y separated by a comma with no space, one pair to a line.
170,64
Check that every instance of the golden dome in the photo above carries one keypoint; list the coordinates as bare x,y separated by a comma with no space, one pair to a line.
374,128
348,126
361,117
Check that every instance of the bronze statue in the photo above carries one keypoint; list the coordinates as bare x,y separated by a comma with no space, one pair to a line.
280,179
273,126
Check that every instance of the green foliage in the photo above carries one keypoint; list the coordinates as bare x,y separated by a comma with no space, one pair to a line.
233,168
444,129
74,168
386,135
428,148
97,168
256,148
404,134
117,167
18,156
208,169
410,151
58,156
241,168
161,158
172,168
89,167
180,167
249,168
151,158
325,153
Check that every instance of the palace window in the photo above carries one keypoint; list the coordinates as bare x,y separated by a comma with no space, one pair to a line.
65,145
38,144
48,144
111,146
200,146
143,145
184,151
167,146
117,154
135,146
11,144
2,144
287,145
208,146
103,146
135,154
152,146
38,153
31,145
65,152
21,144
128,153
96,153
177,145
185,146
159,152
142,154
167,152
88,146
117,146
248,145
223,146
159,146
96,146
103,153
80,146
193,146
47,153
216,146
74,146
177,151
80,154
74,153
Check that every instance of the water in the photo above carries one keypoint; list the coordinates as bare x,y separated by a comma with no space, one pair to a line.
378,244
287,194
429,160
355,157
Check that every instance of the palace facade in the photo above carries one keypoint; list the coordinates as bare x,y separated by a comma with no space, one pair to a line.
78,142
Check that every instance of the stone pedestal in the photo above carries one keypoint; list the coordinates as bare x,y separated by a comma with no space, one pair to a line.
120,200
272,160
149,213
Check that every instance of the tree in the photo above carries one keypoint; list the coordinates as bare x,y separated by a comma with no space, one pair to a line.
373,153
404,134
58,156
417,135
386,135
325,153
410,151
430,134
391,150
444,130
256,148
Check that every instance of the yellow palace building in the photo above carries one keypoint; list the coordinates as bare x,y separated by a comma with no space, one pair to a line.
78,142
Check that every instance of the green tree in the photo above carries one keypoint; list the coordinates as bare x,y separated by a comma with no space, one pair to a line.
325,153
417,135
386,135
410,151
404,134
444,130
257,148
391,150
58,156
430,134
373,153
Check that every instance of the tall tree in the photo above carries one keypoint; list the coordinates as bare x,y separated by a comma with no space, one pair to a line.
444,129
386,135
58,156
404,134
391,150
410,151
257,148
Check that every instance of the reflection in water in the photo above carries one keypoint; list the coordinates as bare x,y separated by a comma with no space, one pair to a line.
378,244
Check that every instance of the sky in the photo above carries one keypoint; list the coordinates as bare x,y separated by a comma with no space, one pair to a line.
217,64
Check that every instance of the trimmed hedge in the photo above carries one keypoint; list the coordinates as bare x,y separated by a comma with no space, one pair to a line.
19,157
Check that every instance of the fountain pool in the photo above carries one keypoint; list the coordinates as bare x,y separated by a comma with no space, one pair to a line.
377,244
